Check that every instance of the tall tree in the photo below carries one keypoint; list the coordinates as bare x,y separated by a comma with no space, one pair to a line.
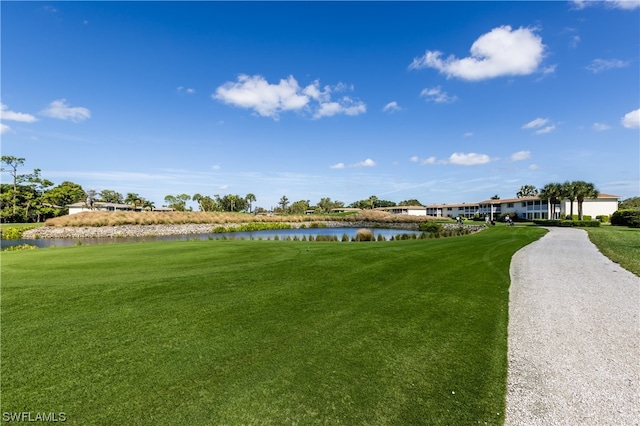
92,195
64,194
250,198
552,193
10,165
527,191
110,196
134,200
569,192
198,199
373,202
283,203
299,207
584,190
177,202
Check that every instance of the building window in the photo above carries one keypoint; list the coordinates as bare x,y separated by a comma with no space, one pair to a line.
510,205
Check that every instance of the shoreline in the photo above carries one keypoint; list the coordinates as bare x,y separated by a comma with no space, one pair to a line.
119,231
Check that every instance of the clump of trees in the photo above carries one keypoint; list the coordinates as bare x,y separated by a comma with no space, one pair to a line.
577,190
31,198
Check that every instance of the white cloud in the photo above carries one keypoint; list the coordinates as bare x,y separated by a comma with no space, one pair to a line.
423,161
575,40
468,134
269,100
520,155
500,52
538,122
613,4
366,163
345,106
4,128
599,65
623,4
5,114
533,167
599,127
547,129
470,159
61,109
187,90
391,107
435,94
631,120
215,167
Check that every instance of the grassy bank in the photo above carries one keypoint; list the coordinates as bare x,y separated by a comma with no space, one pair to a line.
620,244
261,332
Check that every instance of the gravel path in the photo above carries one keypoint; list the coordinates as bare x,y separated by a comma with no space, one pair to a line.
574,335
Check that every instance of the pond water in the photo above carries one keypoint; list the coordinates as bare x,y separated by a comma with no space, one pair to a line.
281,234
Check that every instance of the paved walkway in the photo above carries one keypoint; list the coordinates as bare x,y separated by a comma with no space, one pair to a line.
574,335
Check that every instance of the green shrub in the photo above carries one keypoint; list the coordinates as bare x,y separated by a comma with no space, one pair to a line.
12,233
630,218
21,247
603,218
432,227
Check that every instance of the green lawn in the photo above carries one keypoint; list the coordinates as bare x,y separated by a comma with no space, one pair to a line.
619,243
261,332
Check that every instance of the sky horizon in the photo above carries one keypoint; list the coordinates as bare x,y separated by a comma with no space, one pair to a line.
444,102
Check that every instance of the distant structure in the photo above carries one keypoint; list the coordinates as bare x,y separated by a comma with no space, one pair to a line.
110,207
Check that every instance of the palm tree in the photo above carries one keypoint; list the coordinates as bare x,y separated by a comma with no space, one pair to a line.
569,192
584,190
372,201
552,193
133,199
198,198
250,198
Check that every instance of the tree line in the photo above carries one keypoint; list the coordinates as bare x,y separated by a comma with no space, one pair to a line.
28,197
31,198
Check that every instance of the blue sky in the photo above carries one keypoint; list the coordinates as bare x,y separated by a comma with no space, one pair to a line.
444,102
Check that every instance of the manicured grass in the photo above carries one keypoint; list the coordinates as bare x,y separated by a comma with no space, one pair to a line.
261,332
618,243
20,225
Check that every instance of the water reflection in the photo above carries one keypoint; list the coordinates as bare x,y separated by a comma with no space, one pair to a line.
276,234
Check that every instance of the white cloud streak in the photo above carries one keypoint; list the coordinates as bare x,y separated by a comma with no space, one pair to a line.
600,127
435,94
599,65
612,4
270,100
60,109
631,120
520,155
366,163
538,122
391,107
500,52
4,129
6,114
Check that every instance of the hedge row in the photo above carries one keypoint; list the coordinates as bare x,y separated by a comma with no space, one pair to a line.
629,218
568,223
